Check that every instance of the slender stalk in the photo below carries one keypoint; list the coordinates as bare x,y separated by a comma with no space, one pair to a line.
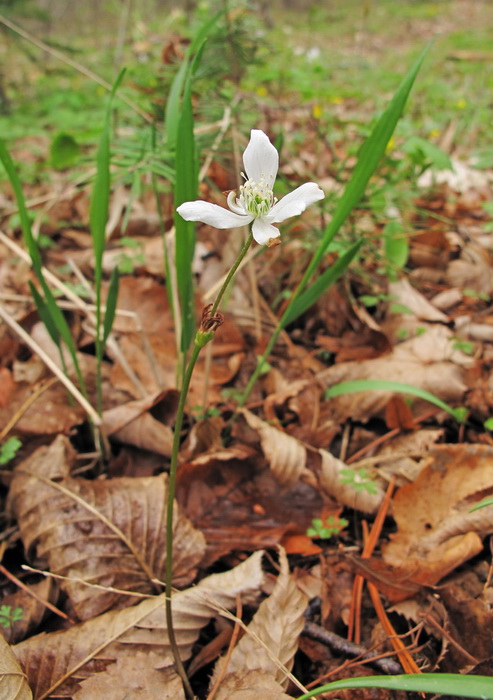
169,519
231,273
204,335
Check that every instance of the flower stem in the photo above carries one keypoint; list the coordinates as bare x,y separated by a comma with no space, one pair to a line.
231,273
201,339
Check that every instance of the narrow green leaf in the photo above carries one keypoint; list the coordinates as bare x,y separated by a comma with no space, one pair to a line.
111,302
369,156
451,683
44,314
482,504
396,245
186,188
326,279
397,387
172,114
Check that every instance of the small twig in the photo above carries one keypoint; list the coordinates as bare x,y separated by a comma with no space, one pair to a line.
234,638
343,646
34,595
431,621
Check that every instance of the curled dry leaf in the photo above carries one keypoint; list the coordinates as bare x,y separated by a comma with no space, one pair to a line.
141,677
436,530
109,533
251,685
429,361
287,459
131,424
403,293
13,682
272,636
61,660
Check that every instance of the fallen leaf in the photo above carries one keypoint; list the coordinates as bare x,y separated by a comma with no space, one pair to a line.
13,682
61,660
403,293
140,677
251,685
109,533
33,610
436,530
271,638
6,386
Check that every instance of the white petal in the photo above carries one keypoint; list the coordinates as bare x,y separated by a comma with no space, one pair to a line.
295,202
211,214
261,159
263,232
234,204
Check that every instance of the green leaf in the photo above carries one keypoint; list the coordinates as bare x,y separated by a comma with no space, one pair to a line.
482,504
186,188
488,424
64,151
326,279
426,152
111,301
9,449
397,387
396,246
451,683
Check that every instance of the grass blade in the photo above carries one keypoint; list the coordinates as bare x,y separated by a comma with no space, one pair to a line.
315,291
111,302
397,387
451,683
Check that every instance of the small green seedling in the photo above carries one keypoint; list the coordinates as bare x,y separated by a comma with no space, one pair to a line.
9,449
9,616
324,529
360,479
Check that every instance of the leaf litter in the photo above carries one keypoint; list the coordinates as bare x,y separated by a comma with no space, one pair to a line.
290,458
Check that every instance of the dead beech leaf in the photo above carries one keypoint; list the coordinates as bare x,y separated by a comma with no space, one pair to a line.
272,636
13,682
110,533
436,530
286,455
251,685
287,459
351,494
403,293
61,660
140,677
131,424
33,610
429,361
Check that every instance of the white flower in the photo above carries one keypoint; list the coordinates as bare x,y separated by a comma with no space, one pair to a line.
256,201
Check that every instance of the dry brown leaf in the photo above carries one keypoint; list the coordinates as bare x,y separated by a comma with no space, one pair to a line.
436,530
33,610
429,361
286,455
287,459
131,424
272,636
251,685
403,293
350,494
62,659
140,677
110,533
13,682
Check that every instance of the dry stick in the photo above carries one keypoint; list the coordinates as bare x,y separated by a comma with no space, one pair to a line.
85,308
74,64
431,621
26,338
83,582
368,547
34,595
234,638
343,646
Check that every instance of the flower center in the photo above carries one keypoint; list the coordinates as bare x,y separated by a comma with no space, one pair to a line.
256,198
